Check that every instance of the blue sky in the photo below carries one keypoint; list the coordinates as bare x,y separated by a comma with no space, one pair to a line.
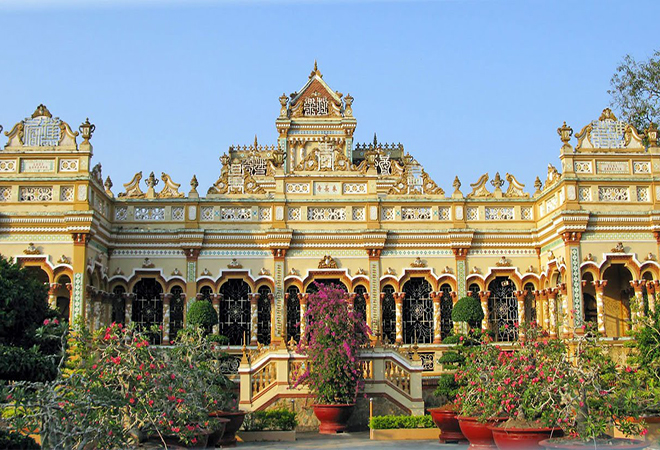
467,86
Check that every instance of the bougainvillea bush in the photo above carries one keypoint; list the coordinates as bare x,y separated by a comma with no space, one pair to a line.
333,338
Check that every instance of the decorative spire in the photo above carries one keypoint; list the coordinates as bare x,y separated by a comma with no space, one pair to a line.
538,184
316,71
456,184
375,140
256,144
607,115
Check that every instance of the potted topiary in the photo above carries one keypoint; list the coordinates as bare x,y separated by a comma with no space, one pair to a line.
202,314
467,314
332,340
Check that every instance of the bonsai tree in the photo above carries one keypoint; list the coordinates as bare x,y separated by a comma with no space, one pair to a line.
202,314
468,310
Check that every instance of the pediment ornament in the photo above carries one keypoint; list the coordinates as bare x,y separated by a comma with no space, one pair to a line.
132,188
479,188
327,262
170,188
515,188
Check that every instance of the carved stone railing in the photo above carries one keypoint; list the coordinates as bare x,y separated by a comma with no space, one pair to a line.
386,373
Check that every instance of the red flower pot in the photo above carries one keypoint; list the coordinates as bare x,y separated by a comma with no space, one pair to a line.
228,439
477,433
512,438
446,420
333,418
610,444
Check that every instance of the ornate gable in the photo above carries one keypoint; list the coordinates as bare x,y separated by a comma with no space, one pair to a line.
41,130
608,133
316,99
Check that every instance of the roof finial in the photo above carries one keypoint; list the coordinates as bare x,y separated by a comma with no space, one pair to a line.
316,68
255,142
375,140
315,71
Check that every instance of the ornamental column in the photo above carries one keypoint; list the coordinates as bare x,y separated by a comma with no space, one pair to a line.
271,299
599,286
552,311
437,335
192,254
460,255
215,301
90,293
637,306
254,317
79,281
350,300
52,298
278,309
374,317
652,289
566,316
398,309
483,298
128,308
302,298
546,310
167,301
520,298
538,299
572,300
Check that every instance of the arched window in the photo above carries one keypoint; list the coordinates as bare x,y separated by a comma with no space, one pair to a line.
475,289
417,312
263,315
590,308
177,305
119,305
360,302
293,313
148,307
234,317
530,303
314,285
63,299
207,293
446,307
388,314
503,309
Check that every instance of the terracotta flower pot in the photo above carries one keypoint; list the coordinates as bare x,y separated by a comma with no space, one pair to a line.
611,444
333,418
512,438
479,435
446,420
228,439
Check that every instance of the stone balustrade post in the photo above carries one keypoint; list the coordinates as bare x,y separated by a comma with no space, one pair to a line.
599,286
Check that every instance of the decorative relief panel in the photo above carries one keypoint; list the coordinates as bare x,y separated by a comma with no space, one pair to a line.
444,213
551,204
41,131
297,188
354,188
265,214
294,213
499,213
327,188
459,213
373,212
473,213
570,192
326,214
68,165
387,214
358,213
207,213
582,167
155,214
584,194
82,192
192,212
7,165
612,167
177,213
643,194
526,213
232,214
279,213
37,165
613,194
421,213
5,193
641,167
121,213
66,193
36,194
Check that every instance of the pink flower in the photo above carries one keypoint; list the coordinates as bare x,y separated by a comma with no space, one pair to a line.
46,322
56,322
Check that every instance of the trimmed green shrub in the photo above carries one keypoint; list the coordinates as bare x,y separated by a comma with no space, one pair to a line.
20,364
391,422
202,314
452,339
280,419
218,339
17,441
447,387
451,359
468,310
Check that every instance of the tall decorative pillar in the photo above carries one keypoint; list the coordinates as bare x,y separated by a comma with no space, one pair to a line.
90,293
652,290
552,311
271,300
302,298
128,309
254,317
52,298
566,319
374,289
78,306
520,298
278,309
437,334
460,254
573,307
538,298
398,310
215,301
167,301
483,298
637,306
192,254
546,310
599,286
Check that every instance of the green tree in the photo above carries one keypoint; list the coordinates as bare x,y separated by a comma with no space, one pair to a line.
636,91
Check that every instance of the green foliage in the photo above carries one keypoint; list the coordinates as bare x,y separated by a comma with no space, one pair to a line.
16,441
636,91
202,314
391,422
452,339
280,419
447,387
21,364
451,358
217,339
468,310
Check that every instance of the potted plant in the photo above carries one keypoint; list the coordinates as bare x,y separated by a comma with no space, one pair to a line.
202,314
594,398
332,340
386,428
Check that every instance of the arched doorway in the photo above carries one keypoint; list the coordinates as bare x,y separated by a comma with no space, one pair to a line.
148,307
118,305
503,309
446,307
388,314
263,315
293,313
360,302
417,312
616,300
234,314
177,307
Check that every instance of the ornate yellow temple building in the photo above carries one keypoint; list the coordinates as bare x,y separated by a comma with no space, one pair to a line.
317,206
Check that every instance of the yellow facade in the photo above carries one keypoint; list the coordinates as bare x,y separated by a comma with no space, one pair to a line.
315,206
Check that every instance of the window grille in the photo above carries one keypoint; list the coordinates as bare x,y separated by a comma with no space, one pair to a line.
503,309
263,316
446,307
293,314
148,307
388,314
417,312
177,305
234,317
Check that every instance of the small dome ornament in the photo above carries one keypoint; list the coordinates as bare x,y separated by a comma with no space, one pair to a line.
652,135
